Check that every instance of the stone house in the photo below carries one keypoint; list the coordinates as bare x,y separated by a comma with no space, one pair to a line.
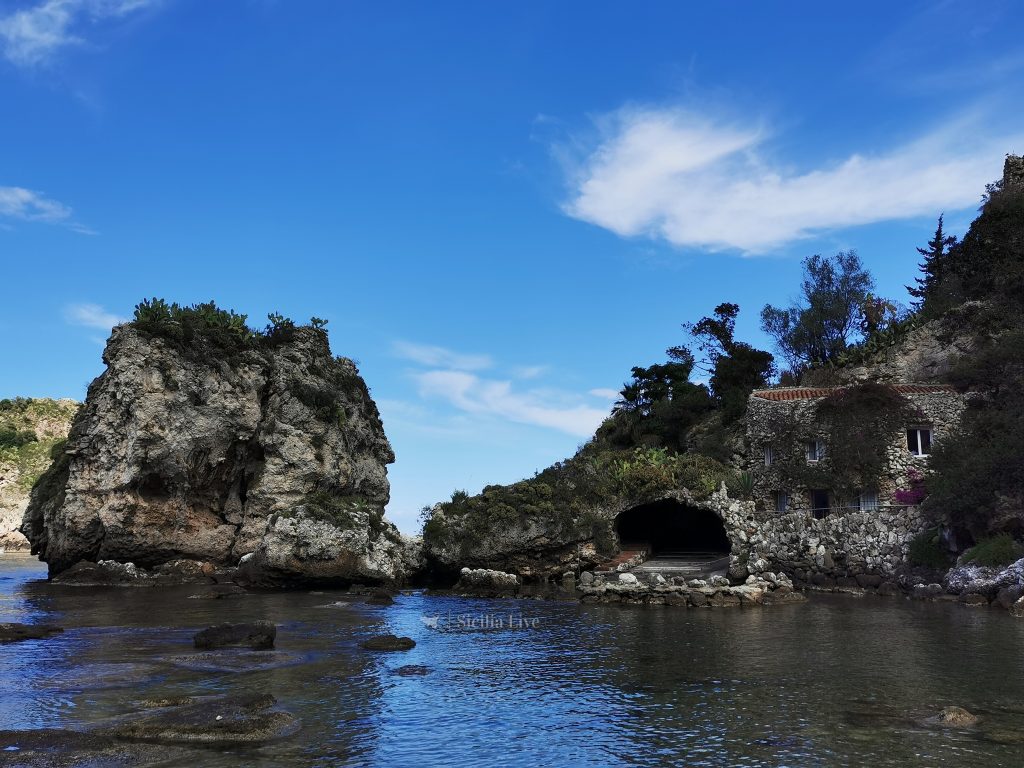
791,460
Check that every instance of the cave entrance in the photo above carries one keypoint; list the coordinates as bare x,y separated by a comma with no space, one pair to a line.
669,528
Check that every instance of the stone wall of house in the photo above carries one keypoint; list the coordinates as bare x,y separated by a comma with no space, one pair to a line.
840,545
939,408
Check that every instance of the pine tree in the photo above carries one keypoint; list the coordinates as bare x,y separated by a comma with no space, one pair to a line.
933,267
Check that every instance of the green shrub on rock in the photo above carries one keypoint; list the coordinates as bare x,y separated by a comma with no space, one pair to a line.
926,550
995,551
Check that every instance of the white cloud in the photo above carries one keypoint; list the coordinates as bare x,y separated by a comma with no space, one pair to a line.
20,203
692,181
33,35
529,371
440,357
605,394
91,316
476,395
26,205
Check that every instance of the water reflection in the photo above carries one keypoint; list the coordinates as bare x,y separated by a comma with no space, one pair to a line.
834,681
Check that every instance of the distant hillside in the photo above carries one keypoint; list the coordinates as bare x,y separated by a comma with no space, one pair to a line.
30,430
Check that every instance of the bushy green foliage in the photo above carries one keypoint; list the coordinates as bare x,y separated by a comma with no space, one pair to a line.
859,423
988,264
15,438
926,550
195,326
995,551
658,406
340,510
979,470
742,485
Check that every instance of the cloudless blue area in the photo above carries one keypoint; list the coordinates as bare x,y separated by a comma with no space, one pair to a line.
390,166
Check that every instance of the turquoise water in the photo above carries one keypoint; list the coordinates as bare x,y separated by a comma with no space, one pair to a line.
835,681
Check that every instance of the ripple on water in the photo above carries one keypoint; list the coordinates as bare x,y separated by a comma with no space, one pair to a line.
831,682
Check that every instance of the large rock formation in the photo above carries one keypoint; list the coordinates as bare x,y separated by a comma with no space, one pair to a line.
271,451
30,430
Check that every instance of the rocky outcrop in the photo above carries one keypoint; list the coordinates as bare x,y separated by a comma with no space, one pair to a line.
926,354
271,451
484,583
30,430
774,589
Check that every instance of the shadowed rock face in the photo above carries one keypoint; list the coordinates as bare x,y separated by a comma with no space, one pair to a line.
275,450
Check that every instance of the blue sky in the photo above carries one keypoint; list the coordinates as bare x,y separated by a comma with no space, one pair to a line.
500,207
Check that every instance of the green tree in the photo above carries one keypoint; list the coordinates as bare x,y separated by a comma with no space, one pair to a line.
658,406
823,322
736,368
933,268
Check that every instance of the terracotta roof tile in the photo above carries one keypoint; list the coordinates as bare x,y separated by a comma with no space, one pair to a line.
781,394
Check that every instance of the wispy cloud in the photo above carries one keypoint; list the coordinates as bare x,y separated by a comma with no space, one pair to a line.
27,205
529,371
697,182
440,357
91,316
474,394
20,203
33,35
604,394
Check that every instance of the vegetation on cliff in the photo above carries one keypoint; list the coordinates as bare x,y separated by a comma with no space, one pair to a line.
30,431
669,431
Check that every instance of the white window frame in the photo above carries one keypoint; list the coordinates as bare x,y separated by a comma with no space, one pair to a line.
781,502
769,456
918,429
814,450
867,501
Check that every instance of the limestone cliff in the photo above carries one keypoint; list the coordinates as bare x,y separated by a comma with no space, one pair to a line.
270,450
30,430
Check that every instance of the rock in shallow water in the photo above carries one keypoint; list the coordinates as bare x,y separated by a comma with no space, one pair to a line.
258,635
13,633
482,582
380,597
389,643
952,717
221,720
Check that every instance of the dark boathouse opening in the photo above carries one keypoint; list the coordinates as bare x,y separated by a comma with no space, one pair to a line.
670,528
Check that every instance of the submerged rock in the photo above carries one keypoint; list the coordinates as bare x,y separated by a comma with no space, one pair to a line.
270,449
60,748
380,597
389,643
221,721
259,635
412,670
13,633
952,717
